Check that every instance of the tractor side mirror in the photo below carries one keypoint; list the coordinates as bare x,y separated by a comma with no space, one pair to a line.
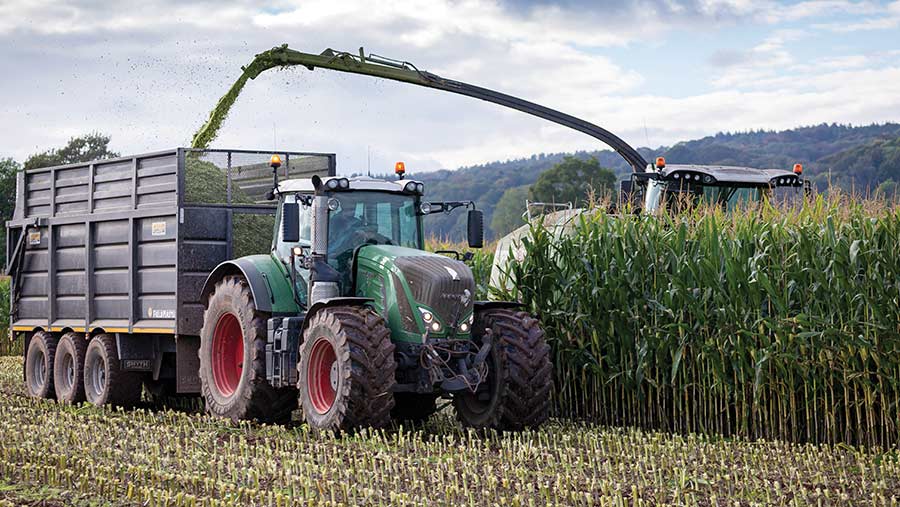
290,222
476,228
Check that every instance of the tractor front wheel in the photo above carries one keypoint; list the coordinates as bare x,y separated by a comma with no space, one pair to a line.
516,393
346,370
233,358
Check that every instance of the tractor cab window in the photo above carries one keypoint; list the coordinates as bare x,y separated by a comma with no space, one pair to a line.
370,218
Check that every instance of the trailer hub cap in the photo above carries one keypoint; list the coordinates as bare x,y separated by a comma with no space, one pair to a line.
69,364
227,354
322,376
38,370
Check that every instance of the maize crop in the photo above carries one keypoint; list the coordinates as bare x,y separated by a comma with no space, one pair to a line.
763,323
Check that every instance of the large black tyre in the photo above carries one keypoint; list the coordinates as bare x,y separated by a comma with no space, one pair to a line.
516,394
39,365
346,370
413,407
233,358
68,368
105,382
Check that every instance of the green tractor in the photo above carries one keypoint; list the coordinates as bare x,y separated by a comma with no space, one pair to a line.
372,327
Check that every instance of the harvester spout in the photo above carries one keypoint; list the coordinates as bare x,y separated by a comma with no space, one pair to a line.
396,70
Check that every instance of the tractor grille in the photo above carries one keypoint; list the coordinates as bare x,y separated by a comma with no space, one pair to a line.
441,284
407,320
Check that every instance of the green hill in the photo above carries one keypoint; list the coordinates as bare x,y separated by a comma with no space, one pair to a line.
863,168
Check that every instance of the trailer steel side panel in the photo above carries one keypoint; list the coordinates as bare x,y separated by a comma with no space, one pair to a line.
115,245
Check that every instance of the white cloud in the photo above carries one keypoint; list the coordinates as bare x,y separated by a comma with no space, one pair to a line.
885,18
148,74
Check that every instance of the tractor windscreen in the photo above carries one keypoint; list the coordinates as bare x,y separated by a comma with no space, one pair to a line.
370,218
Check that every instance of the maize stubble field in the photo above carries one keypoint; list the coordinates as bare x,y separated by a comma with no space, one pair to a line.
749,359
83,455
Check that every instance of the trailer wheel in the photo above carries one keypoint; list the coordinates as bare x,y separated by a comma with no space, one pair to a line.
516,394
39,365
233,358
346,370
68,368
414,407
105,383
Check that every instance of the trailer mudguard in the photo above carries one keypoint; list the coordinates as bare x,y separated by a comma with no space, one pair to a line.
269,283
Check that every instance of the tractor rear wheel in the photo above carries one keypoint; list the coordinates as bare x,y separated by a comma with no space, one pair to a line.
516,394
105,382
233,358
346,370
39,365
414,407
68,368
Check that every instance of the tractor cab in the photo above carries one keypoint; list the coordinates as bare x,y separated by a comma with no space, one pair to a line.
682,187
353,213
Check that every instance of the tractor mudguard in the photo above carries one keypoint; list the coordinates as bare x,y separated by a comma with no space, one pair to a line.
327,303
270,286
491,305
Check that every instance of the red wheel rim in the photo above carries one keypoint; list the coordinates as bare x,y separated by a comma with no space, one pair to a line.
321,377
227,354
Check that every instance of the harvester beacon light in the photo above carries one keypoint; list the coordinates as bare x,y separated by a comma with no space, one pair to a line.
798,169
275,161
660,162
400,169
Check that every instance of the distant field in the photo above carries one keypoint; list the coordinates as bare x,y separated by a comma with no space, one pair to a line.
88,456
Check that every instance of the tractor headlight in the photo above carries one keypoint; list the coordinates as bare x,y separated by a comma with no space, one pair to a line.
427,316
420,188
436,327
676,176
334,204
425,208
332,184
466,325
410,187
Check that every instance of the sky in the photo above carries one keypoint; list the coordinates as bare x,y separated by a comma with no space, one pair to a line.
655,72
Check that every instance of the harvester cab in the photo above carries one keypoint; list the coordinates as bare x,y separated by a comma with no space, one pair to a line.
678,187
